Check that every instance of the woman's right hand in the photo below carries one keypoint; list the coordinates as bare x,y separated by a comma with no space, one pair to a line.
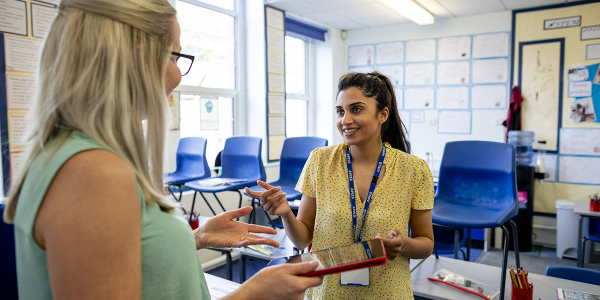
279,282
273,200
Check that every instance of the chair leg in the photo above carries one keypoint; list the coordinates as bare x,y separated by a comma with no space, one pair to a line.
468,257
206,201
504,263
269,218
252,216
456,242
583,252
515,241
192,210
435,252
220,204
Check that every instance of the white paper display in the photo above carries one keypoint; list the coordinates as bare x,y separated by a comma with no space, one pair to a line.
488,96
422,50
275,62
579,141
452,97
13,16
590,32
593,51
20,90
16,161
361,55
276,83
490,71
275,39
453,73
491,45
276,104
577,169
580,89
22,54
360,70
405,118
17,125
394,72
419,74
276,125
417,116
419,98
455,48
454,121
41,19
274,18
390,53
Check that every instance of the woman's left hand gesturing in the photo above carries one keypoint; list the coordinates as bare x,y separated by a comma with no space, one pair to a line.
392,244
222,231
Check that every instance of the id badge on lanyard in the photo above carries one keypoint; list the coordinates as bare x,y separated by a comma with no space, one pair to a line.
361,276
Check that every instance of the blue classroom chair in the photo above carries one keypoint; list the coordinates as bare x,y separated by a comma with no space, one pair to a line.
191,164
575,274
294,153
477,188
593,234
241,162
8,260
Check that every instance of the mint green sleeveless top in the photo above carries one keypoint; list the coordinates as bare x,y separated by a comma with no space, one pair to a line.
170,266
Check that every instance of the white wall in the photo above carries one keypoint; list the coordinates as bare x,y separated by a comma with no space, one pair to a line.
424,136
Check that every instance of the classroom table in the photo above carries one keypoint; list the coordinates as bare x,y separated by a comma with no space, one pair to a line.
219,287
544,287
583,210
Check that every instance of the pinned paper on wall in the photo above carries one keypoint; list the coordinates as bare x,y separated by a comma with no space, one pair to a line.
275,145
452,97
580,89
360,70
582,110
420,50
19,91
276,104
274,18
17,125
405,118
490,71
21,53
394,72
419,74
592,52
491,45
578,169
361,55
578,74
276,125
13,17
454,48
275,61
417,116
399,97
390,53
41,18
453,73
276,83
488,96
419,98
454,121
174,109
579,141
275,39
16,161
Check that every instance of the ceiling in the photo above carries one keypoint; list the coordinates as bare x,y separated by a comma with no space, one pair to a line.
356,14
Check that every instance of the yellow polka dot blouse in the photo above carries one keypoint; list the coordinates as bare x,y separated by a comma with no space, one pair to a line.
407,184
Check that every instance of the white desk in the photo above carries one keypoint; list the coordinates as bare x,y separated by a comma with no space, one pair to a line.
583,210
544,287
219,287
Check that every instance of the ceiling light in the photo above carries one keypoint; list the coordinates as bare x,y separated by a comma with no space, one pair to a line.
411,10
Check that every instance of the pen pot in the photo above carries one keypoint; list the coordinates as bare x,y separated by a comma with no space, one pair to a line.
194,224
594,206
521,294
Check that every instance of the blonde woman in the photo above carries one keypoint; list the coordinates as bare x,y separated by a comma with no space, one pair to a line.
91,218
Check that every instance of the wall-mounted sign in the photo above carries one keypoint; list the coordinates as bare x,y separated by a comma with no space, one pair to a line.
562,23
590,32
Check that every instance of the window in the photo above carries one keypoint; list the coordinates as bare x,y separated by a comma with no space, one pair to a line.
295,87
208,91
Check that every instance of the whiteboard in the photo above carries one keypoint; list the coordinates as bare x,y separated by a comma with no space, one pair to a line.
454,48
580,141
491,45
360,70
578,169
361,55
421,50
453,73
419,74
390,53
488,96
394,72
454,121
419,98
490,70
456,97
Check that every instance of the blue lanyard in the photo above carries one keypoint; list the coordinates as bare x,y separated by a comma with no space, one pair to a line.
371,189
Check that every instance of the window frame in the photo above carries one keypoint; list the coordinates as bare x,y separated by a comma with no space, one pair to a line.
306,96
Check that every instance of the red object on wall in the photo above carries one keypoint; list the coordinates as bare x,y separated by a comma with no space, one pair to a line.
513,120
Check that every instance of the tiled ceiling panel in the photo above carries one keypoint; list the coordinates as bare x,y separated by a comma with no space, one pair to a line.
356,14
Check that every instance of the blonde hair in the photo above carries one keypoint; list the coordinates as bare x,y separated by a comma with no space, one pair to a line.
102,71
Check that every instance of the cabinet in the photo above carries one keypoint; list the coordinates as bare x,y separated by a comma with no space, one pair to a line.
524,220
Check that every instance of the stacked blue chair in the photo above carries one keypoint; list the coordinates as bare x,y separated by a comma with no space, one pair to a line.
575,274
241,166
191,164
593,234
478,189
8,261
294,153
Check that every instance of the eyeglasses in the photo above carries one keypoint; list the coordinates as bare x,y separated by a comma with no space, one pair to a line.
184,62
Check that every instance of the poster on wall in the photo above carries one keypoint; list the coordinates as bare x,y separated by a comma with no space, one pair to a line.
390,53
13,17
361,55
584,86
174,109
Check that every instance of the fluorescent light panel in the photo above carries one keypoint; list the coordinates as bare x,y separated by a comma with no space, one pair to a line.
411,10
